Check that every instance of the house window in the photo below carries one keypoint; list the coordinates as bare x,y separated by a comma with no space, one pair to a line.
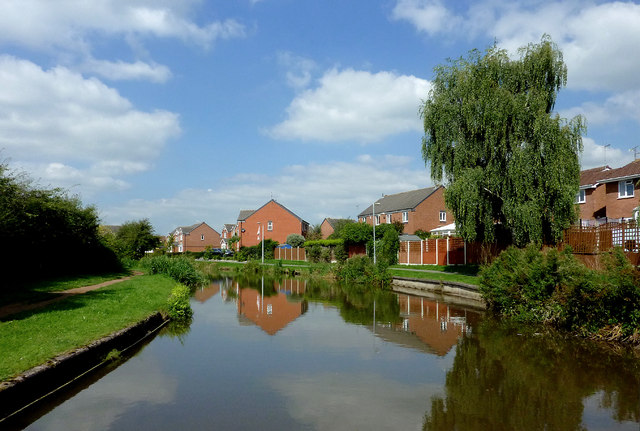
625,189
269,225
388,218
405,217
180,248
581,197
201,237
377,220
443,216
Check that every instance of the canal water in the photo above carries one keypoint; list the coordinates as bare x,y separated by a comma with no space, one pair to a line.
302,355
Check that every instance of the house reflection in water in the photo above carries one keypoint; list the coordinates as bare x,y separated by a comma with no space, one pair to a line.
203,294
429,325
271,312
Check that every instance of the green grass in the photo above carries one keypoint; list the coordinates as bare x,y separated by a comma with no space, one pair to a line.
33,337
39,290
439,276
459,269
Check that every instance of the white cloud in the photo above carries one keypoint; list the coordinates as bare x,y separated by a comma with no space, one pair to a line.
120,70
68,23
299,69
72,130
597,155
313,191
619,107
354,105
598,40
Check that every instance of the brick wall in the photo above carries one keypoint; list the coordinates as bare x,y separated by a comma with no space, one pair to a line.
326,229
194,241
283,224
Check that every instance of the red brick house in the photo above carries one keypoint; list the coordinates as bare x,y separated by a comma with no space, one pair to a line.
195,238
607,193
227,233
274,220
328,225
421,209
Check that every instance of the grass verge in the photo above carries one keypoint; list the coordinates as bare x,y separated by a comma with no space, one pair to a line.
33,337
438,276
37,291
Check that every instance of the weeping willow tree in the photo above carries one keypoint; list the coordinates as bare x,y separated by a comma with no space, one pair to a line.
510,165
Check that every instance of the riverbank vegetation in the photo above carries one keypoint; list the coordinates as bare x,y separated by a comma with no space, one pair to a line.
553,288
32,337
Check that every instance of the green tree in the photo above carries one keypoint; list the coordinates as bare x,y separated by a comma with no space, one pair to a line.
295,240
136,237
314,232
510,166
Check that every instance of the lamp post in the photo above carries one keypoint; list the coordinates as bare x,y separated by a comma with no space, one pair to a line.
261,231
373,208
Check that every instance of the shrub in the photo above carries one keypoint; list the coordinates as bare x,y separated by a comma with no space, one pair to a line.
340,253
179,268
295,240
178,303
361,270
313,253
325,255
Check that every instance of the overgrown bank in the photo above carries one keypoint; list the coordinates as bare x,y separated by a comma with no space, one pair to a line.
553,288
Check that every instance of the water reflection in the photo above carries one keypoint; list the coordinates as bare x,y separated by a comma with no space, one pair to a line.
502,380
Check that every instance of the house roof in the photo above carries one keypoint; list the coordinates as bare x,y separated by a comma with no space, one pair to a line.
277,203
590,177
333,221
229,227
631,170
400,201
604,174
188,229
245,214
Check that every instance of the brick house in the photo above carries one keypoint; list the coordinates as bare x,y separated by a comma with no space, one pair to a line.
607,193
421,209
328,225
227,233
195,238
274,220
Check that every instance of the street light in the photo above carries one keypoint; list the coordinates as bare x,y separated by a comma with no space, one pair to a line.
373,207
261,239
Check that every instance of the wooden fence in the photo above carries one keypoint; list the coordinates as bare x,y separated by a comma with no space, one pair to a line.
589,242
445,251
297,253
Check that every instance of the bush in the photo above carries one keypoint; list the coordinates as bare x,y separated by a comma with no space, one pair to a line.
553,288
340,253
178,303
295,240
255,251
361,270
180,268
313,253
325,255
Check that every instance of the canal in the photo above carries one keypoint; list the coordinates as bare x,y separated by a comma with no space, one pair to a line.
302,355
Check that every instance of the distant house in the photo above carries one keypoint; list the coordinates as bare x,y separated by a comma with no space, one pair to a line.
273,220
609,194
227,233
421,209
328,225
194,238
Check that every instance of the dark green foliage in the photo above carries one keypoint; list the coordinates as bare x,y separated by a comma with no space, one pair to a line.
356,233
361,270
388,243
325,255
255,251
338,227
295,240
324,242
422,234
178,303
47,233
313,253
511,167
554,288
340,253
134,238
180,268
315,232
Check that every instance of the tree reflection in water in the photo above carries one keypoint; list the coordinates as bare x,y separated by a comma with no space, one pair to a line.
501,380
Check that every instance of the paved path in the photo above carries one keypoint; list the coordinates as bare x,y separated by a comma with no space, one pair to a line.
18,307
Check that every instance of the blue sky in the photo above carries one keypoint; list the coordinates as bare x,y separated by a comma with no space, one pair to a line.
183,111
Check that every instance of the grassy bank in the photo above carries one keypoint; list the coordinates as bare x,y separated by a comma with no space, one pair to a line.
31,338
437,276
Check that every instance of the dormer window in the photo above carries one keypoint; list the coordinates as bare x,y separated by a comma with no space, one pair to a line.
581,197
625,189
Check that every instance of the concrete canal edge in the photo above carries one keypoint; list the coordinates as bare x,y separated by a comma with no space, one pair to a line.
29,387
465,294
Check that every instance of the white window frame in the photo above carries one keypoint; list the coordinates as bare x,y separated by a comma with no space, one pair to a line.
623,189
377,219
405,217
269,225
388,218
202,237
443,216
581,197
